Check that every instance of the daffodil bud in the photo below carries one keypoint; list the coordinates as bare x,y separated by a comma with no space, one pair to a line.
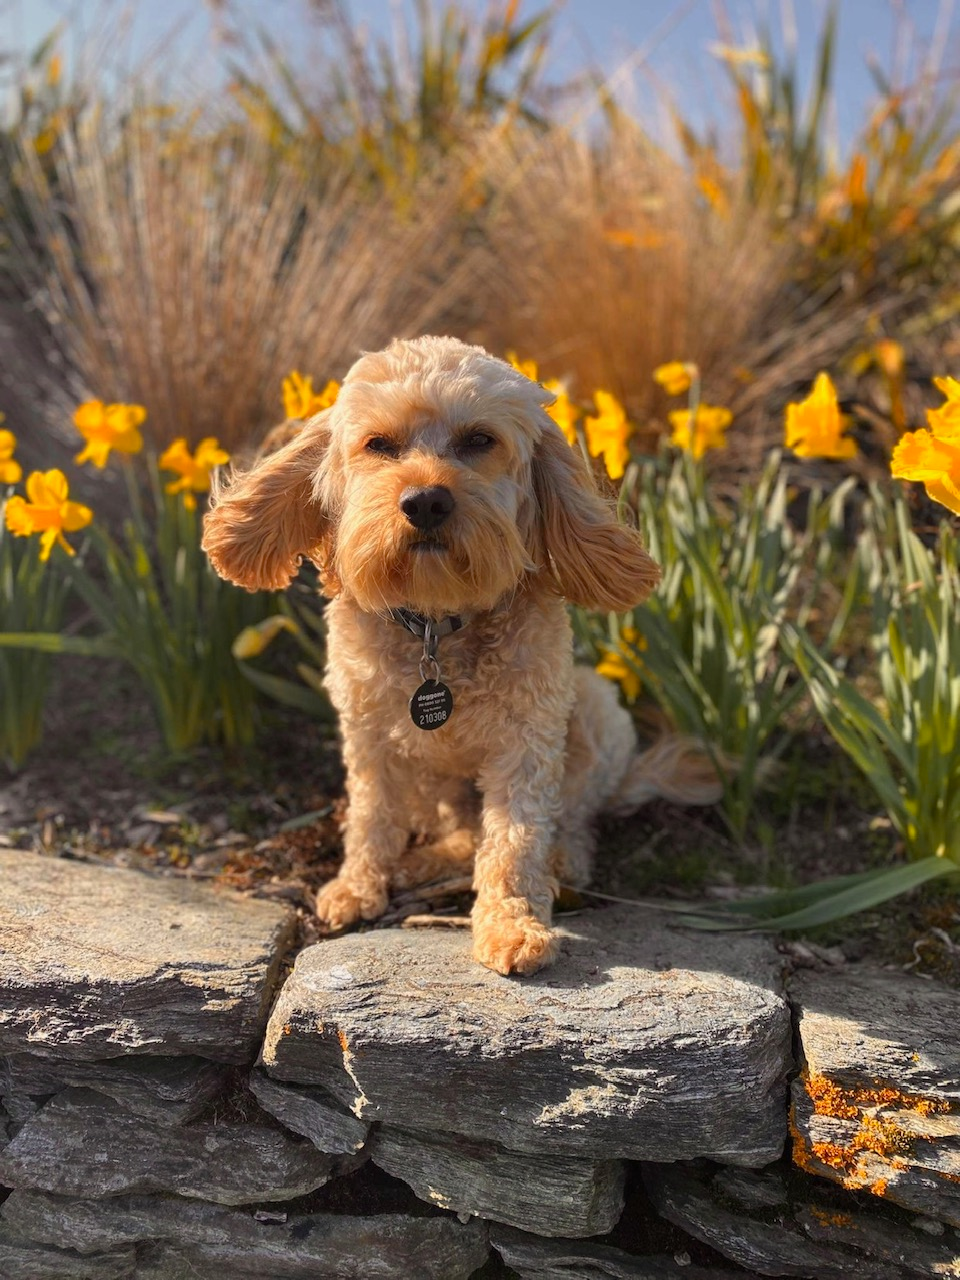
252,641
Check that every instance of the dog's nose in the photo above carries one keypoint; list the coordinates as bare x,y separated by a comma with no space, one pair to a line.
426,508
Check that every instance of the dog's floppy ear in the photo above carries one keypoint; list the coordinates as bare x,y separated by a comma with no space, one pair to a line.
595,561
263,520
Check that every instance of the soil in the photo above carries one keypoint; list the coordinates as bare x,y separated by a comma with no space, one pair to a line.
266,821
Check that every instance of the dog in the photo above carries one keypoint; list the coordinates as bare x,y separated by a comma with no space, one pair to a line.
451,522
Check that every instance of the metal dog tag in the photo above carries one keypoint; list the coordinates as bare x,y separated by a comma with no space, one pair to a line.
432,705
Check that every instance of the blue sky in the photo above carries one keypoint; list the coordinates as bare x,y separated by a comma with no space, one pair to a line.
663,41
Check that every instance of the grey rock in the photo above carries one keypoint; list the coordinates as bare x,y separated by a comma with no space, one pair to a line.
799,1237
311,1113
81,1143
6,1127
776,1248
642,1038
876,1106
19,1108
23,1261
869,1235
170,1090
96,962
751,1189
551,1195
166,1262
220,1242
905,1030
880,1151
533,1258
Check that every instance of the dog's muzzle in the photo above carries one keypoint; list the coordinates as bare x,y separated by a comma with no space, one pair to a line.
427,508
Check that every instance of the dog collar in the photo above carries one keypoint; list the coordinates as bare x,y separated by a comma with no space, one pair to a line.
432,704
417,624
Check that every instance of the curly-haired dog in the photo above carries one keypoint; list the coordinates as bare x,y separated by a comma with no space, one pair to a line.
450,521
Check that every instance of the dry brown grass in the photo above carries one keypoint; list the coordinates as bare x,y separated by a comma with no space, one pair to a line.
191,275
604,261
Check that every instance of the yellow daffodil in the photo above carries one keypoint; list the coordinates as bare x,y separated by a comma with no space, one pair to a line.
945,420
607,434
193,468
47,511
701,431
625,239
527,367
714,193
46,138
106,427
933,457
10,469
253,640
855,184
815,426
890,357
675,377
614,666
891,361
935,463
301,401
563,411
621,237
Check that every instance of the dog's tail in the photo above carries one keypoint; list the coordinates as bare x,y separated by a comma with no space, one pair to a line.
676,768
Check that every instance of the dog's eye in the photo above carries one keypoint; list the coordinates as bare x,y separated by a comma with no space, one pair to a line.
477,442
381,445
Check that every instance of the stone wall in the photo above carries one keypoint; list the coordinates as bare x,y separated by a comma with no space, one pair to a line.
176,1102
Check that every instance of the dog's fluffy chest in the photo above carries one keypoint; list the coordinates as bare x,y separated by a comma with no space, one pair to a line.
373,672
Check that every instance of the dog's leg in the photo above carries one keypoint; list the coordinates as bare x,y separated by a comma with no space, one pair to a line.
513,878
451,855
446,812
376,833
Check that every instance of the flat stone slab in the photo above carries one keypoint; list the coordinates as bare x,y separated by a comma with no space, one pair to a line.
311,1113
82,1143
781,1227
553,1195
642,1039
533,1258
214,1241
20,1260
876,1106
169,1090
96,962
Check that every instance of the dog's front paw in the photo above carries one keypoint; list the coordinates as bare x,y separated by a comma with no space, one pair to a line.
341,902
513,944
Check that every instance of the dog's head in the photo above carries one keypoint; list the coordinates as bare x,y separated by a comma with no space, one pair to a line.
436,482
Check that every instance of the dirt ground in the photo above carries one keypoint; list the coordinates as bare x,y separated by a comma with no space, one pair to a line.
266,821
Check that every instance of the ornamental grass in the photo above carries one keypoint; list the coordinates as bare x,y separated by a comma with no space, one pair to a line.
190,273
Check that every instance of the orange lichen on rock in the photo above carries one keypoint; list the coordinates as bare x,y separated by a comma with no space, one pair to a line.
831,1099
830,1218
875,1134
828,1098
343,1041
